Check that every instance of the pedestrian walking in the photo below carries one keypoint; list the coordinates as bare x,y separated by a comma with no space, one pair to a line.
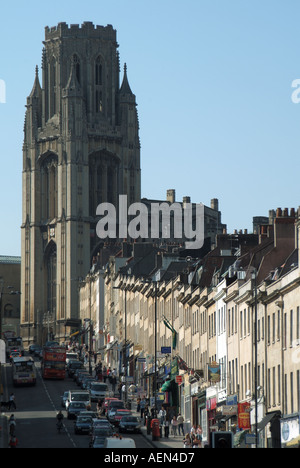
12,401
142,406
167,427
174,425
162,416
180,420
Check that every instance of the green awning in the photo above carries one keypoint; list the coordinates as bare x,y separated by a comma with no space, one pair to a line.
166,386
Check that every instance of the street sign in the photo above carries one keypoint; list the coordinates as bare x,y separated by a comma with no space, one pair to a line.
165,350
2,352
250,439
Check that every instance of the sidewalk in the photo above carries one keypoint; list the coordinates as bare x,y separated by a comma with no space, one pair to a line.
171,442
163,443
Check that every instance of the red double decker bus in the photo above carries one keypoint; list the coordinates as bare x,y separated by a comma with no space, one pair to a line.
54,362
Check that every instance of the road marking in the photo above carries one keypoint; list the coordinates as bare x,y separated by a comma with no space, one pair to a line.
54,408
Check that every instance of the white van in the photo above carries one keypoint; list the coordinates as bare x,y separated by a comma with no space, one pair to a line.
116,442
78,396
98,390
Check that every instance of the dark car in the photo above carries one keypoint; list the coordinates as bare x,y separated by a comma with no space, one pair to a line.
99,434
37,351
33,347
129,424
89,414
83,425
74,408
73,366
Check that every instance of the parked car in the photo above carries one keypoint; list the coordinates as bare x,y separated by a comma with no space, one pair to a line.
38,351
32,348
115,404
71,357
74,366
98,442
83,425
91,414
101,431
106,402
116,414
79,396
64,399
130,424
74,408
80,376
98,390
85,381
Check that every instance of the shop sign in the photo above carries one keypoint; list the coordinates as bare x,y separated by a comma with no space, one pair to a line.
229,410
214,372
179,379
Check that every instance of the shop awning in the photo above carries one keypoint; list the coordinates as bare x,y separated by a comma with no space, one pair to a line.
268,418
166,386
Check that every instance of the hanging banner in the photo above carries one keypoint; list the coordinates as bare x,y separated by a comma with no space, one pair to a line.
244,415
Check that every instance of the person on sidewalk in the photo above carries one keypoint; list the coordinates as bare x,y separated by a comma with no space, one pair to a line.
180,420
167,427
162,416
187,441
174,425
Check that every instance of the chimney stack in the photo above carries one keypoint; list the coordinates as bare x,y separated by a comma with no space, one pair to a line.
171,195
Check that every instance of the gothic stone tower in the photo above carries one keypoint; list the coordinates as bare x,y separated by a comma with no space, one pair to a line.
81,148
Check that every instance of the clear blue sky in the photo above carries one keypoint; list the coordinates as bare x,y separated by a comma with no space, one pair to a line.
212,79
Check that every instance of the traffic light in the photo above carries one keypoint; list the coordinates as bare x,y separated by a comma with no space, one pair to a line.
222,439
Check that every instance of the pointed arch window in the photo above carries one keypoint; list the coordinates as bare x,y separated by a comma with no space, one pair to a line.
98,85
52,87
98,72
49,187
76,63
51,279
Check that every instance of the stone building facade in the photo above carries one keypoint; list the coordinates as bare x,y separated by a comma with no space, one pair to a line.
81,148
